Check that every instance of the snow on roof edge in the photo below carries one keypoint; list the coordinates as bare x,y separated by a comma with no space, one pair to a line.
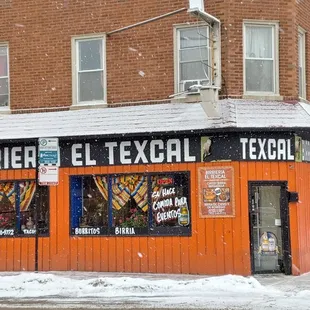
160,119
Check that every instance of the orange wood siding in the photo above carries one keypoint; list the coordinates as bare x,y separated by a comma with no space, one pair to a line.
217,246
303,213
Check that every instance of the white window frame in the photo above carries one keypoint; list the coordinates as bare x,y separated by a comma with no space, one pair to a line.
302,61
8,75
199,4
275,53
177,29
75,66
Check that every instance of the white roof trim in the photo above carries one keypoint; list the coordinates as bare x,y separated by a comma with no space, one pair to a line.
203,15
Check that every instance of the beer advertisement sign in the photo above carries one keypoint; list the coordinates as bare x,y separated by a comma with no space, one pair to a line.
216,192
268,244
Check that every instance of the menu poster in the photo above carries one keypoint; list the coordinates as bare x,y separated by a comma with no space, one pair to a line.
216,192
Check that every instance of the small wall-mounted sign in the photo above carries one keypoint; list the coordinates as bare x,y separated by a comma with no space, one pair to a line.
216,192
48,151
48,175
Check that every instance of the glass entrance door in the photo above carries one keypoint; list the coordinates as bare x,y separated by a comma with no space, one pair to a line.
269,228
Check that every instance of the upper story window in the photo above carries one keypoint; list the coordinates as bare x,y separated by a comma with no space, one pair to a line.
4,76
302,63
89,70
193,64
261,59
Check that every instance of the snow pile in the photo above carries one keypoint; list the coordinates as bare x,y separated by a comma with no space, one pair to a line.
98,291
39,285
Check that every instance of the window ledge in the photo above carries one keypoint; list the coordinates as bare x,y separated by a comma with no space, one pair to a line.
88,106
263,97
304,100
5,110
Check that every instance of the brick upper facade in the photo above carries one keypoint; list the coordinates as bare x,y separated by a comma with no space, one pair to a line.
140,60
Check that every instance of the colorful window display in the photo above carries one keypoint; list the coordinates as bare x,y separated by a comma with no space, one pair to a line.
18,202
89,205
131,204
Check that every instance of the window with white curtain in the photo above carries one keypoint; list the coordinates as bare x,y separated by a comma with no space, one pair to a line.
89,70
260,58
4,76
301,64
193,57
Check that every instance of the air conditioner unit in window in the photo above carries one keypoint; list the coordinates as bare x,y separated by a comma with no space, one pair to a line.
194,86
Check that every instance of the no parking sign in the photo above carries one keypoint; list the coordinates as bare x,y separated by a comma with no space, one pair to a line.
48,175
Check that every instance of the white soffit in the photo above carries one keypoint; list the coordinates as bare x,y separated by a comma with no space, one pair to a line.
210,19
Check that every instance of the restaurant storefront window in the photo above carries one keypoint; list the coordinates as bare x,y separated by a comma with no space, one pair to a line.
18,202
89,205
131,204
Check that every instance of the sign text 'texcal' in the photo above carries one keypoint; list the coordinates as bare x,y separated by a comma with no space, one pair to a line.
266,149
131,152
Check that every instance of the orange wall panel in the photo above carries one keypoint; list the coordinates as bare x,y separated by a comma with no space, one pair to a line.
293,213
303,215
216,246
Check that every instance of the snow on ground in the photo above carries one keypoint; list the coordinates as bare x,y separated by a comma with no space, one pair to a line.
224,292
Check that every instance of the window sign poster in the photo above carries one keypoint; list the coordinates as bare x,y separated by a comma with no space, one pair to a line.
216,192
268,244
170,204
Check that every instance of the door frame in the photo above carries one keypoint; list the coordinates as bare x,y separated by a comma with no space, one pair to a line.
285,224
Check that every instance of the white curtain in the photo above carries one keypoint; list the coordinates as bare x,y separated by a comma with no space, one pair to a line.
259,60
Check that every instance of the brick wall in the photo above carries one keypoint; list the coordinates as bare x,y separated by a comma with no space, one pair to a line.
303,20
39,35
232,62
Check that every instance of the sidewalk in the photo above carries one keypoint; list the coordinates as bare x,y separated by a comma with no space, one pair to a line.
285,283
